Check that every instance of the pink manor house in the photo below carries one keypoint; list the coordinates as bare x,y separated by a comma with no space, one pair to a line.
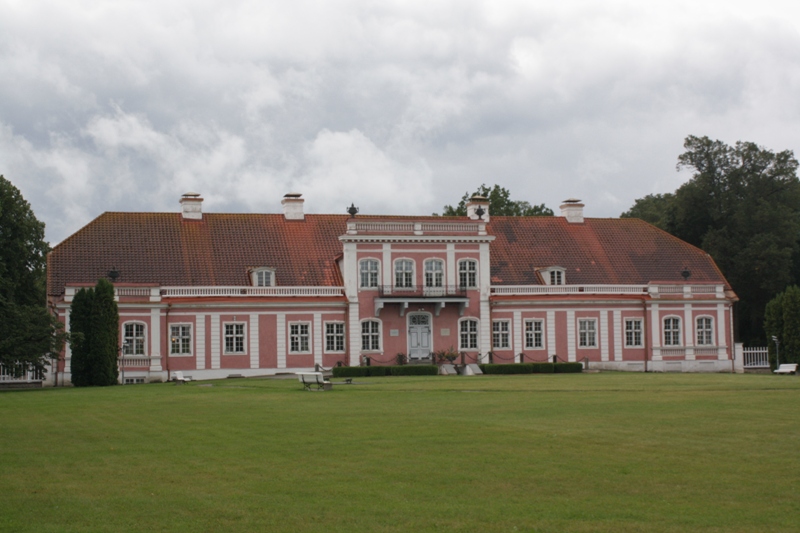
215,295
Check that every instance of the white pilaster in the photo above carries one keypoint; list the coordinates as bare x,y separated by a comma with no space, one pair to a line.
254,355
571,341
722,352
318,338
604,334
655,334
618,334
280,339
350,270
200,342
451,265
551,333
215,341
155,340
354,333
518,343
688,331
485,335
388,278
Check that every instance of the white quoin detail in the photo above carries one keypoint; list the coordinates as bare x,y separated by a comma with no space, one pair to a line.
572,210
472,207
192,206
293,206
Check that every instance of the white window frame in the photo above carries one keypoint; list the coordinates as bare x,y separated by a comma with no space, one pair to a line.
180,337
554,275
129,342
408,277
634,332
672,334
257,274
372,275
334,336
707,331
372,336
434,278
233,336
501,334
472,335
587,333
534,338
470,275
299,331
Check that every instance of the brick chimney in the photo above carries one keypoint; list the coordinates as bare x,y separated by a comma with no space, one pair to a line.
572,210
293,206
474,204
192,206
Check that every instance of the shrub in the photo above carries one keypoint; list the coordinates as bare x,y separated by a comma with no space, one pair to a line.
414,370
350,371
568,368
543,368
517,368
377,371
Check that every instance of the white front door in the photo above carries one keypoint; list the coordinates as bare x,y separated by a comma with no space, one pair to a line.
419,336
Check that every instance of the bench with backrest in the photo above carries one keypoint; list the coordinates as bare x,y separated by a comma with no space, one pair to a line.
178,377
788,368
314,381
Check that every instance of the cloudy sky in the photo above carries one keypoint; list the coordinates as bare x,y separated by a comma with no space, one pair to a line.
397,106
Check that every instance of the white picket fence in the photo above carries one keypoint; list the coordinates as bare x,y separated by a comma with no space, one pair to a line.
756,357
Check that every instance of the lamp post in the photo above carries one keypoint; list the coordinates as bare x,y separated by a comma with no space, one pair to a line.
777,351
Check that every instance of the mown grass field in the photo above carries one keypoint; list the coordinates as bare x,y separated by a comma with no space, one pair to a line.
590,452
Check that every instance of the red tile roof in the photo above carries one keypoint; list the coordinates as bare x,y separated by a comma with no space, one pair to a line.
164,248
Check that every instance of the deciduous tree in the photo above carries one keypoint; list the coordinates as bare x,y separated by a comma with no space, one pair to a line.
500,204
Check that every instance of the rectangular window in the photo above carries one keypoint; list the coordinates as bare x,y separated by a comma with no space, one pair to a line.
467,273
299,338
234,338
133,339
533,334
705,334
468,337
633,332
500,334
181,339
556,277
434,273
263,278
371,335
404,274
369,273
587,333
672,332
334,337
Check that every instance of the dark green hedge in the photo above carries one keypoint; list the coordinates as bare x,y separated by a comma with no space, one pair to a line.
533,368
376,371
568,368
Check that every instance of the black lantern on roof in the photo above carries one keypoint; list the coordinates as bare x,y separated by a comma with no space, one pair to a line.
352,210
480,212
685,273
113,274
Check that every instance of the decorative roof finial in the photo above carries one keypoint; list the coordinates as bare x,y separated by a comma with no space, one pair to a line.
352,210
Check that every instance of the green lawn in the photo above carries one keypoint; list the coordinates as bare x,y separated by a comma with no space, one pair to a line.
594,452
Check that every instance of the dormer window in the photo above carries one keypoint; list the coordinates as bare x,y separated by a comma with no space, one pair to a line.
263,277
554,275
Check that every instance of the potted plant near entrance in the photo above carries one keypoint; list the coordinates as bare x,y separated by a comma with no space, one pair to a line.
447,355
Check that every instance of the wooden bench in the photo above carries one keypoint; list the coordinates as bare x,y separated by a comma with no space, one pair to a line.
786,369
314,379
178,377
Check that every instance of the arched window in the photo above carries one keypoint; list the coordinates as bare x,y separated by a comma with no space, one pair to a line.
705,331
133,338
672,331
468,273
368,269
434,273
371,336
404,273
468,334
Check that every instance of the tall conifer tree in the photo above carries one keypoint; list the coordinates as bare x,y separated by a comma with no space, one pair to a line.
104,340
80,319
